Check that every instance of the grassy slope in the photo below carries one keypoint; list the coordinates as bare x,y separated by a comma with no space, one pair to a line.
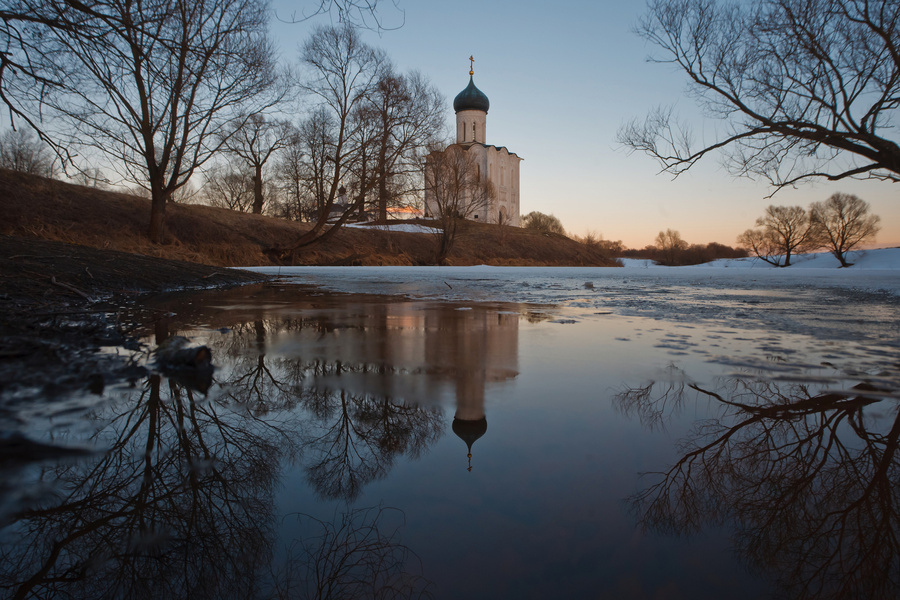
53,210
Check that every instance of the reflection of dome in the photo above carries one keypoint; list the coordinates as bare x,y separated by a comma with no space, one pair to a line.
471,98
469,432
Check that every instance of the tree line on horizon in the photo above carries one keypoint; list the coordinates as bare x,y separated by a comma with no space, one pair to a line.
838,225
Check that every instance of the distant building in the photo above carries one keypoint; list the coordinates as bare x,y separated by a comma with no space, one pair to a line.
496,163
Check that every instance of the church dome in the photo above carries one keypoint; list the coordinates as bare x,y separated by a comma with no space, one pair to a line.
471,98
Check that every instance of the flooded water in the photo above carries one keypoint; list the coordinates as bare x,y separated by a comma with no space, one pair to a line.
620,440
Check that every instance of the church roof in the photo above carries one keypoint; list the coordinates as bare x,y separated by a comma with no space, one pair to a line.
471,98
468,145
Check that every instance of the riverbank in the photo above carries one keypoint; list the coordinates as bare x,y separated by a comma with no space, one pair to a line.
62,303
35,207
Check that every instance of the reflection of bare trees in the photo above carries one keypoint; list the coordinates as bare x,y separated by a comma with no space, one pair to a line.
811,481
356,438
352,438
180,506
357,556
181,503
655,401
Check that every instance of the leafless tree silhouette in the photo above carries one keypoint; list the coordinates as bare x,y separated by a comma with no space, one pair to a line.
806,88
358,555
457,190
842,223
151,84
341,72
21,150
358,438
254,141
782,232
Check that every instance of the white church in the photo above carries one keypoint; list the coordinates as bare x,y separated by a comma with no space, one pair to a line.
496,163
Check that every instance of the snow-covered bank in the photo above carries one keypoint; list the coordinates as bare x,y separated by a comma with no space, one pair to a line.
858,303
885,258
399,227
873,271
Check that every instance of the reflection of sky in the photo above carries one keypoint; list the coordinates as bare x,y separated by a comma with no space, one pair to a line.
544,500
561,81
542,512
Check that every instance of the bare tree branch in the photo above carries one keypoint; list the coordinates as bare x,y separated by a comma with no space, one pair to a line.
806,88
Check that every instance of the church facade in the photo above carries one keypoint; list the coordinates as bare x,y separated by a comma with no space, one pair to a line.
495,163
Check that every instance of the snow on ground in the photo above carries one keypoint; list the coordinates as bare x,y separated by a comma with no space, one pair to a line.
401,227
873,271
812,297
886,258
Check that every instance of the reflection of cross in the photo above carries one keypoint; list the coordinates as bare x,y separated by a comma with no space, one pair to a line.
471,65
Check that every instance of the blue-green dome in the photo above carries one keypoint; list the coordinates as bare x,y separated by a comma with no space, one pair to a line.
471,98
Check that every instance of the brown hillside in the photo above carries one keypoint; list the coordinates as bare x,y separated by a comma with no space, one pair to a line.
53,210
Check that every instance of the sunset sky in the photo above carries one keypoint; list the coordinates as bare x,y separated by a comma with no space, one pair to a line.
561,82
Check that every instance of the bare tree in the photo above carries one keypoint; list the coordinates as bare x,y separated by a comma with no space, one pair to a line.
669,245
357,555
23,76
151,84
785,231
21,150
254,141
342,71
303,167
842,223
407,114
227,186
538,221
27,25
357,13
808,88
457,190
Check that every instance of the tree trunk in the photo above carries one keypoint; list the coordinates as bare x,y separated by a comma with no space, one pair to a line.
157,216
257,191
382,184
842,258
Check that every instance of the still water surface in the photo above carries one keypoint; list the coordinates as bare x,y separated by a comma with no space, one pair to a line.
366,446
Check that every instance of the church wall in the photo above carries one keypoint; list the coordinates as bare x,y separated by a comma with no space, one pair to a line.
501,168
503,172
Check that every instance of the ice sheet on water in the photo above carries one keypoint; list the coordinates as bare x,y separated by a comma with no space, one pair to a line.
859,303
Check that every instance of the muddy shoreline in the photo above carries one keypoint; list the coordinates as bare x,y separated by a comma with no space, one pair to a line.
62,303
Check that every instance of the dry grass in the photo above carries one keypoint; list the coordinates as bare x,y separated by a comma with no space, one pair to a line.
52,210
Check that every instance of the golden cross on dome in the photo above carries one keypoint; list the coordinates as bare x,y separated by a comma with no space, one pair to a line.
471,65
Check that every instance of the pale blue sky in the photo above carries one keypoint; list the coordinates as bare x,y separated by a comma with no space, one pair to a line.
561,79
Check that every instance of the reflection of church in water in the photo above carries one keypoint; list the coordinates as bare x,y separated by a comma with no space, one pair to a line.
428,353
472,348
